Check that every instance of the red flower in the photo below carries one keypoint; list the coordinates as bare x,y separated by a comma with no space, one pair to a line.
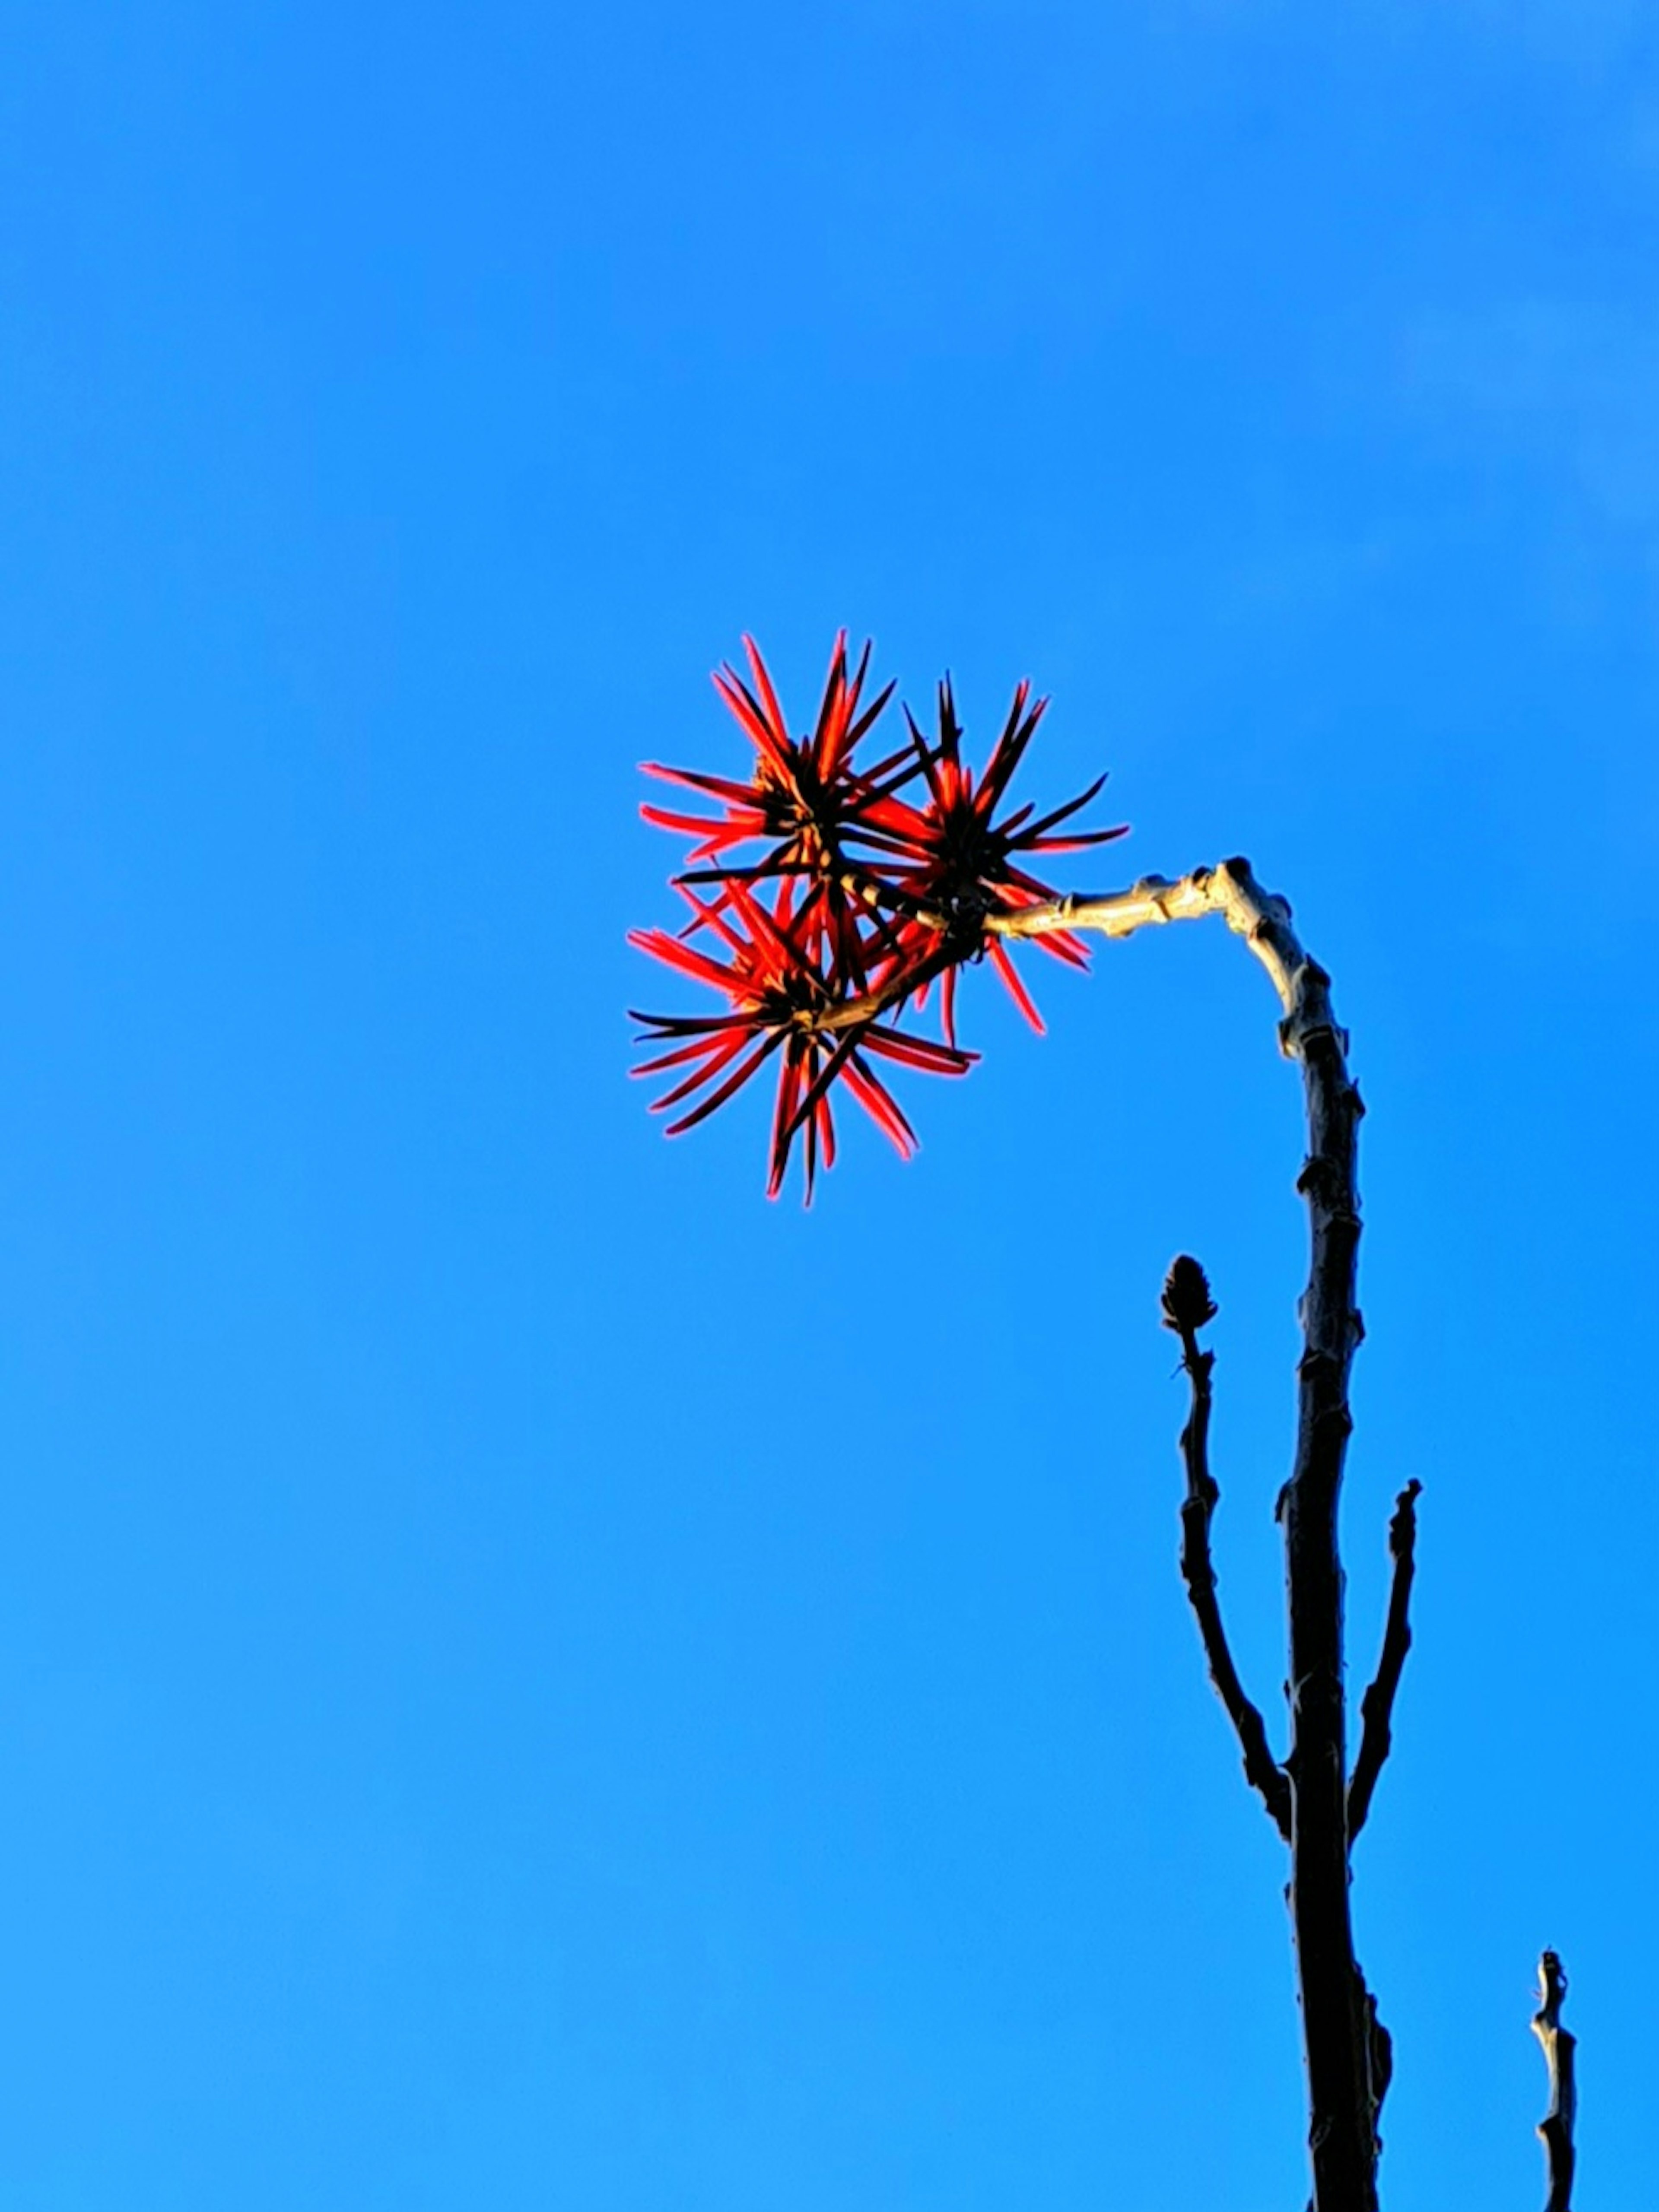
805,800
949,864
856,900
781,1000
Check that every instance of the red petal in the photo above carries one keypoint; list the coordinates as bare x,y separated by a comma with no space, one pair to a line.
834,710
881,1106
1010,749
1076,842
826,1132
866,721
731,1083
720,786
700,1047
721,1057
916,1052
1016,989
661,946
783,1119
763,683
699,825
748,710
1061,813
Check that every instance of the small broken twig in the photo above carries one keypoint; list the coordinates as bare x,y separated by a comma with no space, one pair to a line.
1555,2128
1376,1706
1187,1306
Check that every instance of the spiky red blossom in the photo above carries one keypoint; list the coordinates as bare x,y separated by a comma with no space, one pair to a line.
781,999
856,901
807,801
951,865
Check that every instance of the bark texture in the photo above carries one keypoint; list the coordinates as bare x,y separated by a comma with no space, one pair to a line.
1347,2049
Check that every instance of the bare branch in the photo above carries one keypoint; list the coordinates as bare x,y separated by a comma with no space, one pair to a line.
1376,1706
1341,2136
1186,1308
1556,2127
1230,891
1339,2043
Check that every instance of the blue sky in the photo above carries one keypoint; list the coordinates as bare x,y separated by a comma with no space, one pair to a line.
529,1676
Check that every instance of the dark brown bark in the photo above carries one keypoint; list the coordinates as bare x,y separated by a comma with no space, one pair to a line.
1376,1706
1349,2053
1559,2043
1342,2037
1347,2049
1262,1771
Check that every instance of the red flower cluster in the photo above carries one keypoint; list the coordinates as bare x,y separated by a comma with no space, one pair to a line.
858,898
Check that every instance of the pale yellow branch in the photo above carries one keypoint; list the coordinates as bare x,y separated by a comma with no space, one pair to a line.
1260,917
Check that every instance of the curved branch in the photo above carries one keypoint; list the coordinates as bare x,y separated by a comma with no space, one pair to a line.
1558,2044
1376,1706
1340,2046
1342,2136
1231,889
1262,1771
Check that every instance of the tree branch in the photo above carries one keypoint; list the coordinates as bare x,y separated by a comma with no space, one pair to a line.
1341,2040
1556,2127
1345,2045
1230,891
1376,1706
1187,1306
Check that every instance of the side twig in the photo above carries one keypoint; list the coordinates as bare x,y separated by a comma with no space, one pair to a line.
1376,1706
1187,1307
1559,2043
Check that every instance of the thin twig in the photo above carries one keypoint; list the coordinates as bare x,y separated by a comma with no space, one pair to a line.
1376,1706
1556,2127
1262,1771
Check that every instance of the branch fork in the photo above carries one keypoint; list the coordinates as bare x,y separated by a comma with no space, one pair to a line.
1308,1795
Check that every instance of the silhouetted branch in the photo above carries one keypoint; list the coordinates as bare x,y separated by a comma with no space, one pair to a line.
1187,1307
1339,2043
1376,1706
1555,2128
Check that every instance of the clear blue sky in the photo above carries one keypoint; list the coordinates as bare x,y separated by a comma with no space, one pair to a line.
529,1677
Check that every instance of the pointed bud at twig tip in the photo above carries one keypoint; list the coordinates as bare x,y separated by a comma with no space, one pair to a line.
1187,1301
